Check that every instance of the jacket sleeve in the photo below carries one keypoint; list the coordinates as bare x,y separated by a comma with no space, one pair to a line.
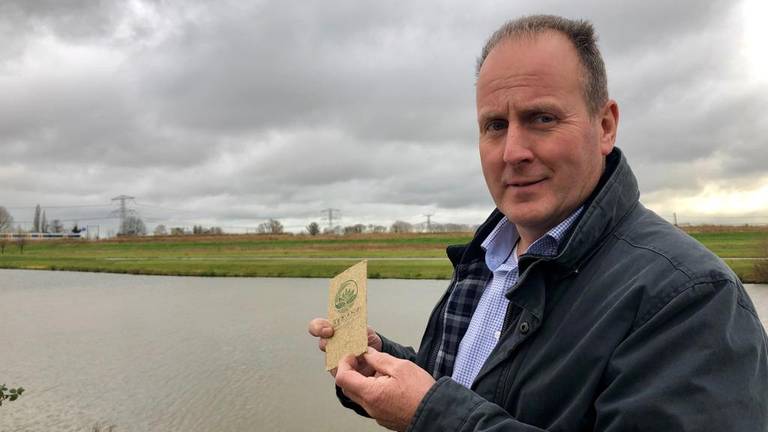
449,406
387,346
698,362
396,350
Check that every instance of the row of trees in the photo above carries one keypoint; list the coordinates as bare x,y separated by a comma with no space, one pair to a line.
274,226
397,227
6,220
40,222
271,226
134,226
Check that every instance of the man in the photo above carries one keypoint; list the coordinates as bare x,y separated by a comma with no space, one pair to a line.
574,308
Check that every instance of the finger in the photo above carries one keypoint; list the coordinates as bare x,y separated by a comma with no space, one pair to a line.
364,368
320,327
349,379
371,332
373,339
321,343
381,362
333,372
317,325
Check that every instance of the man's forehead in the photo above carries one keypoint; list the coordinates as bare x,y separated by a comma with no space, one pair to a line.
543,53
531,67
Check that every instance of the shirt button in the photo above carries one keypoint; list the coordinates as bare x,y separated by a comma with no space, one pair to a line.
525,327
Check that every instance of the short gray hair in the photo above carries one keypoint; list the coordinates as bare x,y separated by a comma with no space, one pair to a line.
582,36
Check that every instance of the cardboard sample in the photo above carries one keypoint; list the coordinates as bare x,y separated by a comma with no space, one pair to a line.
348,313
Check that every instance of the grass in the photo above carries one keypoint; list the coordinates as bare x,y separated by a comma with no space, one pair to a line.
406,256
746,244
375,246
378,269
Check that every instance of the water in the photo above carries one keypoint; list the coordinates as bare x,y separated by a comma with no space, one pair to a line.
149,353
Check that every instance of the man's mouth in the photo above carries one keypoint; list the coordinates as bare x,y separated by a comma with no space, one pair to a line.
524,183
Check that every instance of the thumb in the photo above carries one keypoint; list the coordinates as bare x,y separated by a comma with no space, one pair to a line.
381,362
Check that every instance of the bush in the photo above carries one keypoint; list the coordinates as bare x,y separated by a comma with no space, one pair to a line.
9,394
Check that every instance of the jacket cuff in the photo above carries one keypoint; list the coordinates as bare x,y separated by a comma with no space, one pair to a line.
349,403
387,346
446,407
396,350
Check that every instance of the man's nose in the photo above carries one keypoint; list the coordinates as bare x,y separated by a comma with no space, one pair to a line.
517,149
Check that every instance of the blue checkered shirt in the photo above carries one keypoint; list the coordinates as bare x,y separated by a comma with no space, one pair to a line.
485,327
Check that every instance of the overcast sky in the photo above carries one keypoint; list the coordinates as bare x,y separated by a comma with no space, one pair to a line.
230,112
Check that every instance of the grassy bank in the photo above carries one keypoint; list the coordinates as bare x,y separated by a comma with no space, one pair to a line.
408,256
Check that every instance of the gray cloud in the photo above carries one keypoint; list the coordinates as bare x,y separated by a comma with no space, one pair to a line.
235,111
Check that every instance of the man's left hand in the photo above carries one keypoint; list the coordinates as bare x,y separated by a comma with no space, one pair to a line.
388,388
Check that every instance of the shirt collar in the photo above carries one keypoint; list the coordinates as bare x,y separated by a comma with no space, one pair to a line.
501,241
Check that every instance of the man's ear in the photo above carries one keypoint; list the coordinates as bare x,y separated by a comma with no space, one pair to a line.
609,123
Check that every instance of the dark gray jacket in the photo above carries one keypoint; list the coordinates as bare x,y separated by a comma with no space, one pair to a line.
633,326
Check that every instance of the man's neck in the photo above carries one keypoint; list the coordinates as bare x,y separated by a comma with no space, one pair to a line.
529,235
526,240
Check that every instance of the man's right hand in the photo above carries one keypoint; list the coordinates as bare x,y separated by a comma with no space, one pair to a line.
321,328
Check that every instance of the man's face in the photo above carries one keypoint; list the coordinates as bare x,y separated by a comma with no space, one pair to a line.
542,152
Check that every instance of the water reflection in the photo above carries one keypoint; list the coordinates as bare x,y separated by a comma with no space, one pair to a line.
185,354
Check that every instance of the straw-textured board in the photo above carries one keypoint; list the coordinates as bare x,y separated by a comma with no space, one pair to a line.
348,313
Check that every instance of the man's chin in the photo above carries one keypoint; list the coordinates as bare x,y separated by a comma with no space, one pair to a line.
525,217
522,218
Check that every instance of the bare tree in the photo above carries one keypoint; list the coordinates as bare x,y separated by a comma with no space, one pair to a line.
3,244
6,220
56,227
133,226
354,229
161,230
376,229
401,227
36,220
44,223
21,240
313,229
271,226
335,230
453,227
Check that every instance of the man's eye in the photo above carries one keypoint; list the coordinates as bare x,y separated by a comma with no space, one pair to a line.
544,118
496,125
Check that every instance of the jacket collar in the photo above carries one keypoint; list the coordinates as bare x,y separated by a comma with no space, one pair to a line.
615,195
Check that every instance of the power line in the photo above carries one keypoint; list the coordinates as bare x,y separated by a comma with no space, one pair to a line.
331,212
163,208
429,221
56,207
123,211
73,219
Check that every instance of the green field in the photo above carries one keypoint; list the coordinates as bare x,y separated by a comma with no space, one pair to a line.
407,256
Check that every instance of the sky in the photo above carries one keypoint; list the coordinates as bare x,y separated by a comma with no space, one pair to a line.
231,112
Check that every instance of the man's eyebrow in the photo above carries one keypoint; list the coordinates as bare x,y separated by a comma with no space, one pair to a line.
539,106
524,108
490,113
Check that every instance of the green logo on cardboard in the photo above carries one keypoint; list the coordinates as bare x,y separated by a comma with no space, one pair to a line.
345,296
